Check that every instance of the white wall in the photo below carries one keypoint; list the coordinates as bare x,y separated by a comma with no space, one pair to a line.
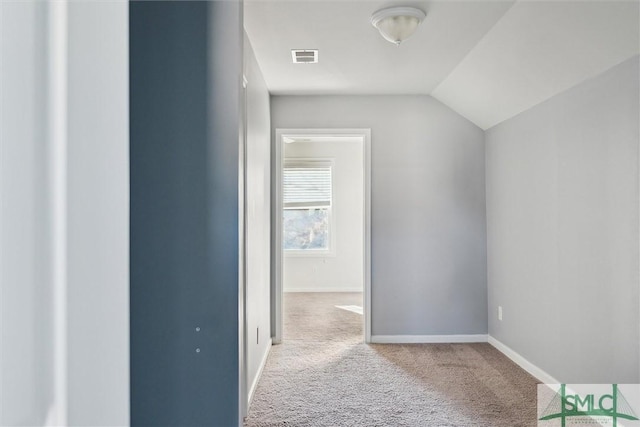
428,241
98,213
562,217
94,390
26,346
342,271
258,208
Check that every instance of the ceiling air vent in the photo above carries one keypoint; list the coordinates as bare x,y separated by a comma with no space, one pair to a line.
304,56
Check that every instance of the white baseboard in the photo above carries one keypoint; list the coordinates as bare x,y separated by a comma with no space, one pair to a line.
254,383
325,289
427,339
535,371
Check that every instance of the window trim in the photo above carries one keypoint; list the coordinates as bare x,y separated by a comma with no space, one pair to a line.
315,253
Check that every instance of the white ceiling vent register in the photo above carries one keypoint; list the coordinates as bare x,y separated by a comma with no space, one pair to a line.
304,56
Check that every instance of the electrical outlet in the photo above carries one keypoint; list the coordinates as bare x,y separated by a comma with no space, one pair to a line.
500,312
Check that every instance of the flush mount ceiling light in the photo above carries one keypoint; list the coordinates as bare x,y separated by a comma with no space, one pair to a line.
397,24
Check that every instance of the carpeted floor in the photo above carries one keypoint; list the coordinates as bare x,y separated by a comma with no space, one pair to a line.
313,317
324,375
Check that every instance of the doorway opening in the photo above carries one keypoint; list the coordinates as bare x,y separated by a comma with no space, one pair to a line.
321,244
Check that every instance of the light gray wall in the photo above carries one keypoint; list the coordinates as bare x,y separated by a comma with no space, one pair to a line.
98,214
96,253
428,238
341,270
562,218
26,341
258,208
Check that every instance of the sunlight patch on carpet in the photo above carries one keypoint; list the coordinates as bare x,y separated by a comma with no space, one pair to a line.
353,308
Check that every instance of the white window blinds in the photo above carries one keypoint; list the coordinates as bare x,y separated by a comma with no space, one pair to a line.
307,185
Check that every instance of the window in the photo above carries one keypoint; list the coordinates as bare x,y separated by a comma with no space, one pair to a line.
307,206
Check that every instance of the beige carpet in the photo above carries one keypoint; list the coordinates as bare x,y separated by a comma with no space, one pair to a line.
323,375
313,317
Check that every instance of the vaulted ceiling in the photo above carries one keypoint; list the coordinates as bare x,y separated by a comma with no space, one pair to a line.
487,60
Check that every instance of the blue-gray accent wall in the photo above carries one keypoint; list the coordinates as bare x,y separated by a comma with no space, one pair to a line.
185,85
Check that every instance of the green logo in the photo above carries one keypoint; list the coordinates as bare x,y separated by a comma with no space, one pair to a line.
565,405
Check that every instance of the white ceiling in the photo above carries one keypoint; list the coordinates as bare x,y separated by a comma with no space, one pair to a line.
487,60
536,51
353,57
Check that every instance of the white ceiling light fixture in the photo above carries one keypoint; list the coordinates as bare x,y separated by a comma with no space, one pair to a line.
396,24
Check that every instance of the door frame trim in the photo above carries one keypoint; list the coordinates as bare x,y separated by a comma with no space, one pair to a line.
276,220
